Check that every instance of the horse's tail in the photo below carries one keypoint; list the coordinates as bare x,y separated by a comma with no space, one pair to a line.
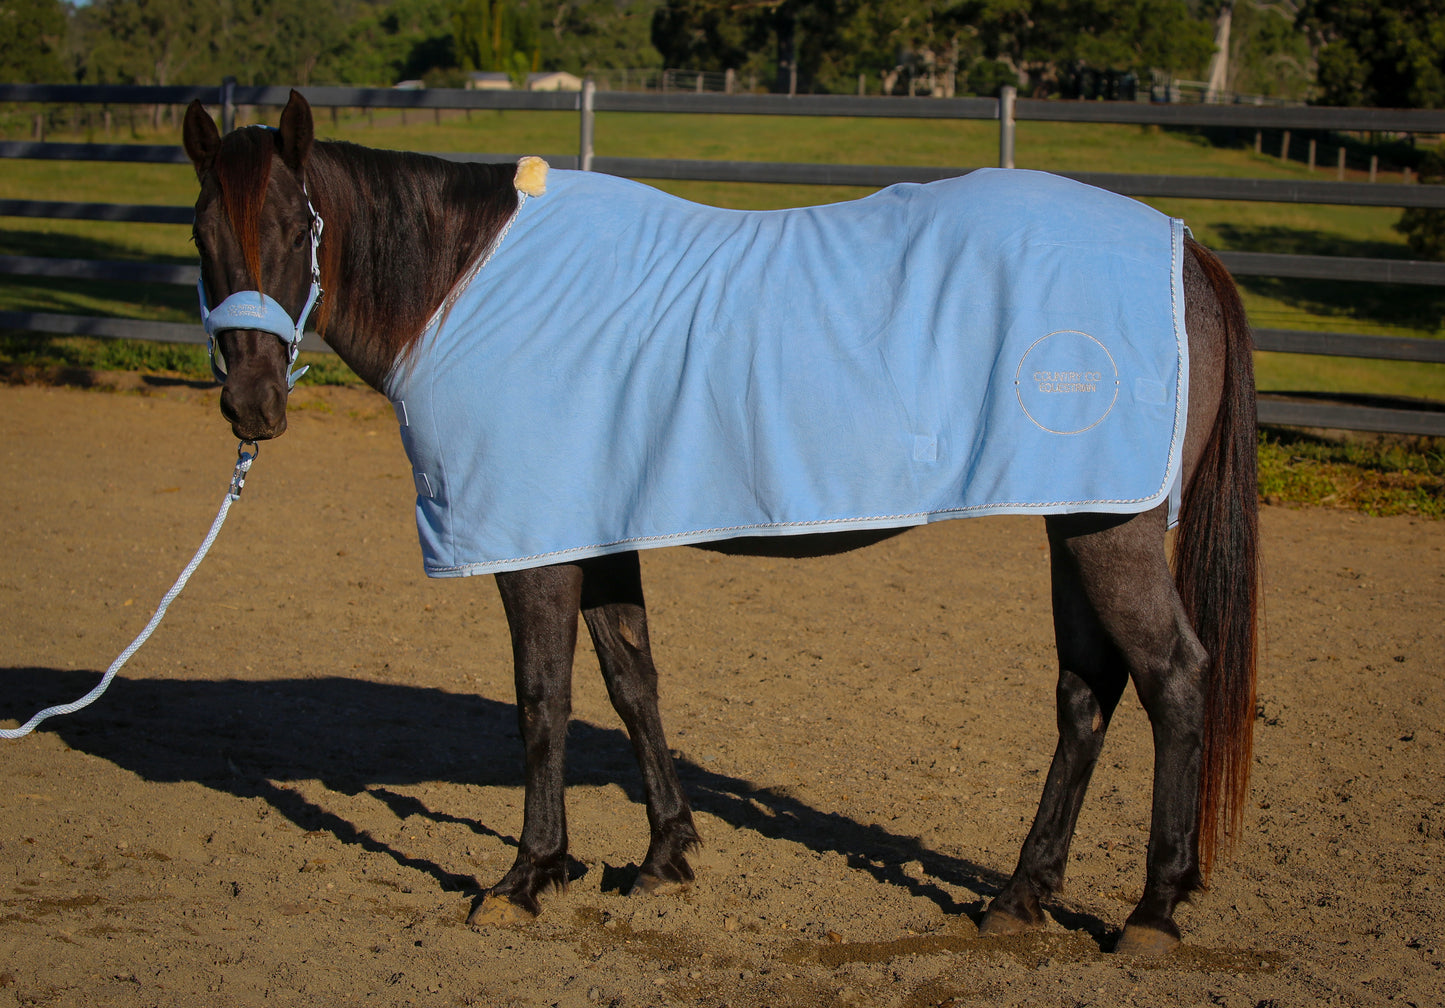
1216,569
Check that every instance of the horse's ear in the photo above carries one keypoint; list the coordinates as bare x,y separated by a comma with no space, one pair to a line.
297,131
200,137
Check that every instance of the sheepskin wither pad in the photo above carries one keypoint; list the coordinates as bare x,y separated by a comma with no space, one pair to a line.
628,370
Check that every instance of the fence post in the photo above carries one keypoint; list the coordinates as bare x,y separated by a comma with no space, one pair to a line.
1007,95
228,105
588,125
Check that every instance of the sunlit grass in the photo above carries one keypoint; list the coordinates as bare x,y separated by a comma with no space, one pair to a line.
98,181
1279,372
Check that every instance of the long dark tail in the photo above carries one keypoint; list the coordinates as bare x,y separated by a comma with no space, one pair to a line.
1216,569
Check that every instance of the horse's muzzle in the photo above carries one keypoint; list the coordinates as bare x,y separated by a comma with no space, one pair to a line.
258,414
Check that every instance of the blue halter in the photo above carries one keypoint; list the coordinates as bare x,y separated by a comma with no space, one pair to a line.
249,309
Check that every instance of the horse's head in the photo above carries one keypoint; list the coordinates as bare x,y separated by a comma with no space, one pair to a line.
257,235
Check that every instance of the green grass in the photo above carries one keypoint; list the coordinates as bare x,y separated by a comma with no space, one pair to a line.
1279,372
1399,310
1376,475
23,354
35,356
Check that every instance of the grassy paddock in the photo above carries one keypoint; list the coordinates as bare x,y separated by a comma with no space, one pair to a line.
1292,470
1378,475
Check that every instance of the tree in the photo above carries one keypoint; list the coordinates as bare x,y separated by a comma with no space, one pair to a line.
584,35
388,42
375,42
495,35
1043,38
270,41
1380,54
918,44
1139,36
32,36
711,34
822,45
1268,54
150,41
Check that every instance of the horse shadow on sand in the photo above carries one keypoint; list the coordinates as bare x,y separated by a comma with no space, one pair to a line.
242,737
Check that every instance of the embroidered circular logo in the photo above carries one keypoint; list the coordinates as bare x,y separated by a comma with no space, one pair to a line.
1067,382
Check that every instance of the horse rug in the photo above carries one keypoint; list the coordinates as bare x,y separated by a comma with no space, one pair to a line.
625,369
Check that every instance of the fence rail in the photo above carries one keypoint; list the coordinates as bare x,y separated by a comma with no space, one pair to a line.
1007,111
1347,120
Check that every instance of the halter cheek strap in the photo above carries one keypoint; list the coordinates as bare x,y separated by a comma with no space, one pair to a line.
250,309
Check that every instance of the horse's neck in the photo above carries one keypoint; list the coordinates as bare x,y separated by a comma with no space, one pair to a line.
400,230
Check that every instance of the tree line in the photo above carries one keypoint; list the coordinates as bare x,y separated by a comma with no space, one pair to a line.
1350,52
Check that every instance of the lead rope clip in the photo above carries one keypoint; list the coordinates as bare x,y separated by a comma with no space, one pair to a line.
243,466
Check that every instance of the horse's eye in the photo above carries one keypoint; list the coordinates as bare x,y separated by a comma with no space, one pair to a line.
299,240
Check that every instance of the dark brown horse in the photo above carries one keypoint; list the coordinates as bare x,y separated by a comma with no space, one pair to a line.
400,229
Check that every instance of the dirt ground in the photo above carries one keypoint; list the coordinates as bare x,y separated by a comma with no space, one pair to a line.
291,793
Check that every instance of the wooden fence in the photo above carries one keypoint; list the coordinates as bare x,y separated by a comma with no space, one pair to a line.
1006,110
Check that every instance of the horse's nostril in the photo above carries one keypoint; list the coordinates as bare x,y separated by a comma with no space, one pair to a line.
275,408
228,407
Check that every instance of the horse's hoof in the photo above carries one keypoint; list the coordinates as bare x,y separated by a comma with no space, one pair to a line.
653,885
1139,940
997,923
498,911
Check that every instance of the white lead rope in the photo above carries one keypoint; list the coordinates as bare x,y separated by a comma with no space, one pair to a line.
238,480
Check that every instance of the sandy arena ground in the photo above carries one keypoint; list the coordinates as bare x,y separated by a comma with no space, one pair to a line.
291,794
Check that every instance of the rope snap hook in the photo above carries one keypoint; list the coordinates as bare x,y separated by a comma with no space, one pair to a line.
243,464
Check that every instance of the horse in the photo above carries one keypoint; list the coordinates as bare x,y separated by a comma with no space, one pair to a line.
403,231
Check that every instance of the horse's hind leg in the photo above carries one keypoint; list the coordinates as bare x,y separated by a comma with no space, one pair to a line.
616,616
1092,675
1120,565
541,606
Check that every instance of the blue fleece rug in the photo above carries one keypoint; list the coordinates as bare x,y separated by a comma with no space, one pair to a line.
631,370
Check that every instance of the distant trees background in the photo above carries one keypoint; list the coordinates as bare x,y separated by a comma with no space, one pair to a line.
1389,53
932,46
1352,52
32,41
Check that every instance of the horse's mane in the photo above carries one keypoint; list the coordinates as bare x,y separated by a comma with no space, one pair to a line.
400,229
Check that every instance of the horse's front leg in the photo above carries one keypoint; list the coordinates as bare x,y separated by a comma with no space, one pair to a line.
541,606
616,616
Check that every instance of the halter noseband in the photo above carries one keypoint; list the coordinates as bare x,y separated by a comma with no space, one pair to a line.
250,309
